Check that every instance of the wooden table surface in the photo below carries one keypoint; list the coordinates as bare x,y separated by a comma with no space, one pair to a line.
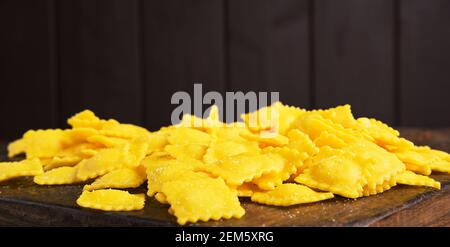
22,203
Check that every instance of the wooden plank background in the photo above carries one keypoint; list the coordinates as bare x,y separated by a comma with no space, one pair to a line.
425,62
183,44
125,59
99,58
27,74
354,56
268,48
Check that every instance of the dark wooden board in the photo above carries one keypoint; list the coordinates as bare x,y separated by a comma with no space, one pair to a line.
430,212
24,203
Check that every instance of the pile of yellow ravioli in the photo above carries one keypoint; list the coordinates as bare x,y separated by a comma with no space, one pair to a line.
279,155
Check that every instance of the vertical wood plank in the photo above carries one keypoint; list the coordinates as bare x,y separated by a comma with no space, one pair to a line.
268,48
425,63
183,44
354,47
99,58
26,74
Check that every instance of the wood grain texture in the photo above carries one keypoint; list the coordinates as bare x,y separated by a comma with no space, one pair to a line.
268,48
183,44
99,59
24,203
27,76
354,56
425,63
434,211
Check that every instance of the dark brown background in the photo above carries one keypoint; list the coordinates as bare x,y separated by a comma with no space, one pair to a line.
125,58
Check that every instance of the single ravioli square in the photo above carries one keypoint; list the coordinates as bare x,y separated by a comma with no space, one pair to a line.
289,194
202,199
57,176
128,177
9,170
336,171
111,200
410,178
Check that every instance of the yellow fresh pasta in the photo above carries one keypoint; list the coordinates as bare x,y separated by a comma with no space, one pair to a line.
111,200
289,194
245,167
128,177
9,170
202,199
61,175
410,178
279,155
